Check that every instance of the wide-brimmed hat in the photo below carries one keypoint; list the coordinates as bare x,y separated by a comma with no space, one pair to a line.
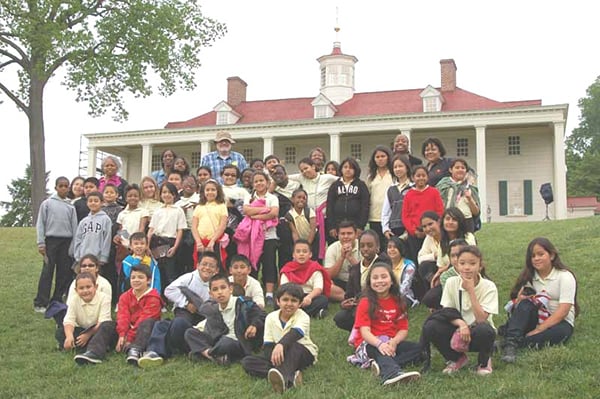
223,135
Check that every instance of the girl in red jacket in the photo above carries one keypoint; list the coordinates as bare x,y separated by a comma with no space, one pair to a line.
418,200
139,308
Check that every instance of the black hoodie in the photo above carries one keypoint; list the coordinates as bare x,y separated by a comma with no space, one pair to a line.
349,202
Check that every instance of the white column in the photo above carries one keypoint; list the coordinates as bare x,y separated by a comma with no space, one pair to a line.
204,147
91,167
406,132
267,147
481,170
334,147
125,167
146,160
560,172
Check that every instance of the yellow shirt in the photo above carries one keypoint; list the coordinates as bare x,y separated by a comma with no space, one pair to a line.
378,188
209,218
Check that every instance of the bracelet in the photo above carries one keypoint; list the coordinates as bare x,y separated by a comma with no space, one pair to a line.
379,344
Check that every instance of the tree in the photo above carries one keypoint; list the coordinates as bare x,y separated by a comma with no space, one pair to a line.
19,209
107,46
583,146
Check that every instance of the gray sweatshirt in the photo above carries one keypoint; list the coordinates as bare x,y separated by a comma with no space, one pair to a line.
56,218
93,236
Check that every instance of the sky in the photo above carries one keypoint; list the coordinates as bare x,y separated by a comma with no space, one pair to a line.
509,50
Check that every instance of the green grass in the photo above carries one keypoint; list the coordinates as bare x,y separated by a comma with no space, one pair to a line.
30,365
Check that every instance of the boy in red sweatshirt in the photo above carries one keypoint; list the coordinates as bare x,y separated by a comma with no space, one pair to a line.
139,308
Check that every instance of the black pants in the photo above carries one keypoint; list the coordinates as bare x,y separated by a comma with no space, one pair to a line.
440,332
406,353
382,238
57,253
198,341
268,263
344,319
295,357
166,265
142,335
286,243
168,337
433,297
524,318
413,246
104,340
184,259
319,302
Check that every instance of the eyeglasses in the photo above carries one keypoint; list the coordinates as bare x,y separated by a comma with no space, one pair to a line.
87,265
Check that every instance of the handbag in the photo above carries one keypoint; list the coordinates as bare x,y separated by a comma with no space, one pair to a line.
456,342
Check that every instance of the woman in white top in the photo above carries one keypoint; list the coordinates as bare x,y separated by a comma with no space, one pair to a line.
316,186
545,273
378,182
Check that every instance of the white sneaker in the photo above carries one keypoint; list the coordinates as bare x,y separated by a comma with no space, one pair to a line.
276,379
39,309
403,377
375,368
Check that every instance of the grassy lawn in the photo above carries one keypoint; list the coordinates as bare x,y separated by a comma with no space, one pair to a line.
30,365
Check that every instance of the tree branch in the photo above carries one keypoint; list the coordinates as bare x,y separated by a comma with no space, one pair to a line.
15,99
7,63
4,39
13,58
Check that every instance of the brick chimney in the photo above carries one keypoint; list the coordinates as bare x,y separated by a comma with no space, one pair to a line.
236,91
448,72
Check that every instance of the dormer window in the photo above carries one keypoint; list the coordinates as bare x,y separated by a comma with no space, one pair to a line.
323,107
432,99
226,115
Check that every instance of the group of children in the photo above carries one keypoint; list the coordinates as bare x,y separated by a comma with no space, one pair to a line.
201,249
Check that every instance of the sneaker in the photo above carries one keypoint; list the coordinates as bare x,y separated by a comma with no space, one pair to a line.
375,370
453,367
297,379
133,356
403,377
277,381
485,370
322,314
195,357
509,353
269,301
87,357
221,360
39,309
150,359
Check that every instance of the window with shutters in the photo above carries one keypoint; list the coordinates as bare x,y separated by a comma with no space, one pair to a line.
515,197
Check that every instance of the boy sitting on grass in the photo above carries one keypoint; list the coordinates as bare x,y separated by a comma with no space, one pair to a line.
88,325
139,309
288,348
233,327
311,276
187,293
240,269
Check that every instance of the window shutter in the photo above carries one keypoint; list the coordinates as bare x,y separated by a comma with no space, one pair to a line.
503,197
528,197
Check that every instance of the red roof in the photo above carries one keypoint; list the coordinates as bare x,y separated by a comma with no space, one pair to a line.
578,202
361,104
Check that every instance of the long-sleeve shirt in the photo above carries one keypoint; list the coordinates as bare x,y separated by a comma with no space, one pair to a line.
93,237
56,218
191,280
416,202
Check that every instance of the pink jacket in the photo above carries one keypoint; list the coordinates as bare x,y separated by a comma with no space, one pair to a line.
250,234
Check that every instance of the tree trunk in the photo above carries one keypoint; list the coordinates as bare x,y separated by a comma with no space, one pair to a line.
37,152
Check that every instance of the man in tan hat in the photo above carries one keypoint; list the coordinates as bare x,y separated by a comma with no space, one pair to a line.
216,160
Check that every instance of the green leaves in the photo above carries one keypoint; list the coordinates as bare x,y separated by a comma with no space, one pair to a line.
583,146
18,211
